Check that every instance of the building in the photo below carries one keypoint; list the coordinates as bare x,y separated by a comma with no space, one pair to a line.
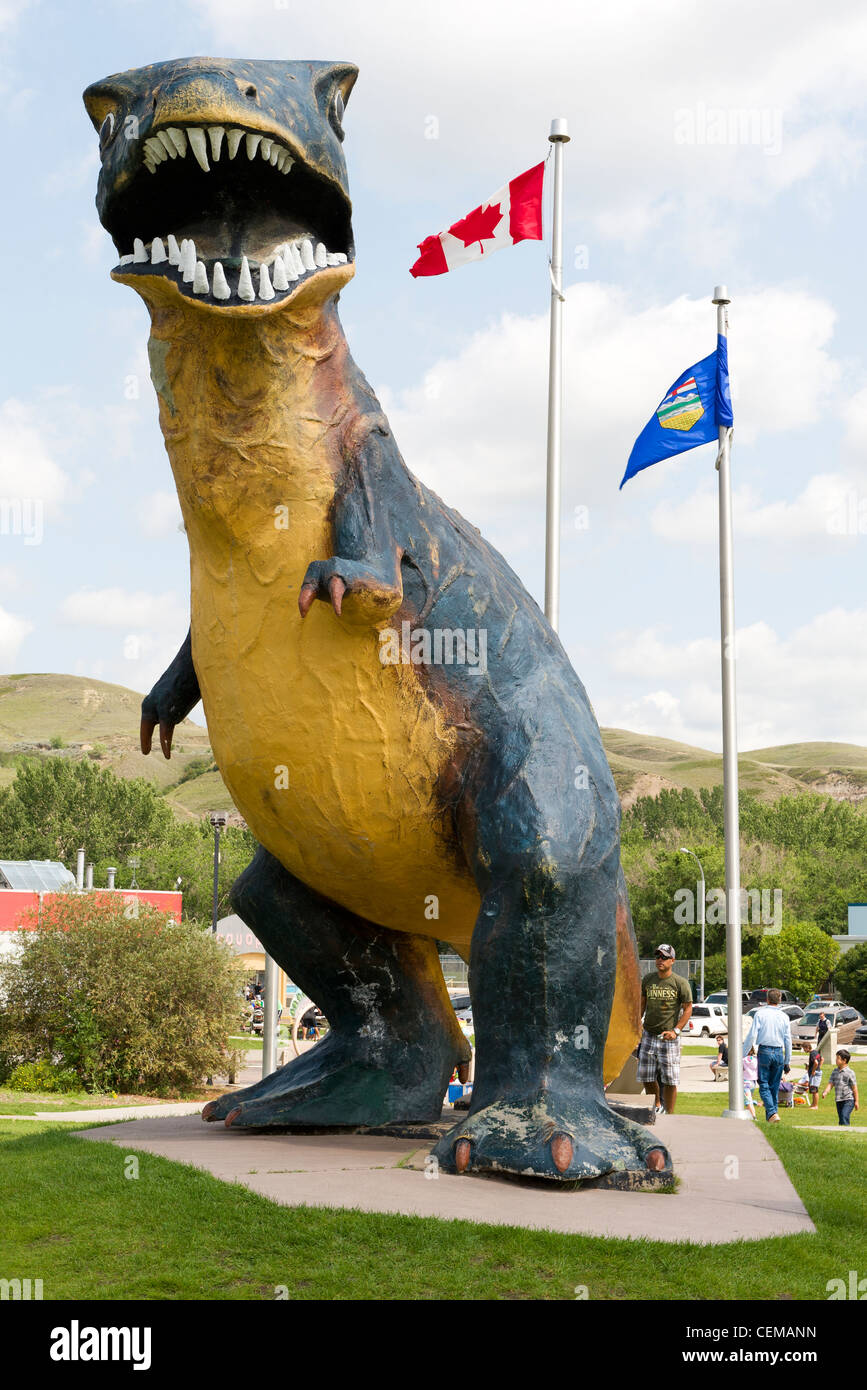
26,883
856,928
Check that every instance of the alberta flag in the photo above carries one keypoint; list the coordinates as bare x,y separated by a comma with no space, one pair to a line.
691,413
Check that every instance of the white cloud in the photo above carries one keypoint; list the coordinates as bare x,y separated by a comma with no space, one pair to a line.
828,508
808,685
13,630
121,608
160,514
27,468
474,428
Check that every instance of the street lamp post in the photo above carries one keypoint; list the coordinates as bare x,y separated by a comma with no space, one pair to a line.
218,820
701,899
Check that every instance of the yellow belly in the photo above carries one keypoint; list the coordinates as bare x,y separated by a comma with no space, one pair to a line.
332,758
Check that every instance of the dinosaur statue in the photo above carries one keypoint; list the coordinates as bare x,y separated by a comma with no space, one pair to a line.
394,718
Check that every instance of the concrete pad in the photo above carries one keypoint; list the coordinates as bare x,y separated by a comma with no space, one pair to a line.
378,1174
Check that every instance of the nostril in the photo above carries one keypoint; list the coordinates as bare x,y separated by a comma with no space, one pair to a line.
251,93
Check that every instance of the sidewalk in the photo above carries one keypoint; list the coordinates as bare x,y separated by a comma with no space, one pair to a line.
732,1185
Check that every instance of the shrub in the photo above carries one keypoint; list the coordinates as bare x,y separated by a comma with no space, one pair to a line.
43,1075
119,996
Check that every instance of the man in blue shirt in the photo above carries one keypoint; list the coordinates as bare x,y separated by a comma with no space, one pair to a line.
771,1035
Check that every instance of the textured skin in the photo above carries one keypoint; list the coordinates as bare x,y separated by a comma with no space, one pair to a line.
395,803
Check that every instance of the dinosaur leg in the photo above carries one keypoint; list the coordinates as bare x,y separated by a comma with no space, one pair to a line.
393,1041
542,977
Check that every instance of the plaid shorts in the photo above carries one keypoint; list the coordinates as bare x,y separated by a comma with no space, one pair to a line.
659,1059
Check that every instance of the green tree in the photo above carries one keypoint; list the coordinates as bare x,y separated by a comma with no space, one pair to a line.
799,958
118,995
850,977
55,805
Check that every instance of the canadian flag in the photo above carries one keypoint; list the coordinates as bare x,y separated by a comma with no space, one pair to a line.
513,214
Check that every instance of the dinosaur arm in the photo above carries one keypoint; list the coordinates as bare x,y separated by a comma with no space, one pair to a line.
174,695
366,567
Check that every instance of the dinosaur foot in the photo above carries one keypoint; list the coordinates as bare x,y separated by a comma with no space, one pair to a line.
337,1083
562,1139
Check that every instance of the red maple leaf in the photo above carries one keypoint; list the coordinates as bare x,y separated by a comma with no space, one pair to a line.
479,225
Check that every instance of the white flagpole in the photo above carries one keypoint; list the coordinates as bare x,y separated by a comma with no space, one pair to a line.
735,1109
558,137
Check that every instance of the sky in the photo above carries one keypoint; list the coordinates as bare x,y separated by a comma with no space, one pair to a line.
709,145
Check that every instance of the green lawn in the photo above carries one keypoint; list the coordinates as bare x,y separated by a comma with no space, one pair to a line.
714,1102
69,1216
38,1102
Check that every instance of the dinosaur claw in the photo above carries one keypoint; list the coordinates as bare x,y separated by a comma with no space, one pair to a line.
146,733
464,1073
166,732
305,599
462,1155
336,588
232,1115
562,1150
655,1160
208,1112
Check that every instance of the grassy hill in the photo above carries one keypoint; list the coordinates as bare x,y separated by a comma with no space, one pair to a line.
87,718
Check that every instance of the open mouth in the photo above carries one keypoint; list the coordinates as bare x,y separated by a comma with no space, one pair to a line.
230,216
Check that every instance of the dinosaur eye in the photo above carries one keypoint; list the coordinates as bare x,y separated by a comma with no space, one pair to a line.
106,130
337,109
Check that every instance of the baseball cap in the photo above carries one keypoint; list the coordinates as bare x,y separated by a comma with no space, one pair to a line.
665,950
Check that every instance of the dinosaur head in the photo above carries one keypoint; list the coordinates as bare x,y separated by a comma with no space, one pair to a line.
224,182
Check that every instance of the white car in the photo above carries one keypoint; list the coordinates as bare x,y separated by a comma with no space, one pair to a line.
706,1021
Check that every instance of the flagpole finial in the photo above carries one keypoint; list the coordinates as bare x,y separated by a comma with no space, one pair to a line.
720,295
559,131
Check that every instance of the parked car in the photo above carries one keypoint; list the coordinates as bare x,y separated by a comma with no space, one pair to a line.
845,1020
463,1007
860,1034
721,996
707,1020
760,996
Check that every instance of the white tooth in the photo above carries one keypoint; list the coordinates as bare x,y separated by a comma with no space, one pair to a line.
281,281
138,251
221,285
275,154
245,284
158,251
265,149
307,260
199,147
200,279
331,259
252,145
287,163
149,164
296,259
340,257
178,139
167,143
233,140
174,250
289,263
281,157
215,135
188,261
266,289
320,255
155,150
126,260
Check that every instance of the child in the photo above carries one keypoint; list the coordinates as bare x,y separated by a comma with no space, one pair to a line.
845,1085
750,1074
814,1074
